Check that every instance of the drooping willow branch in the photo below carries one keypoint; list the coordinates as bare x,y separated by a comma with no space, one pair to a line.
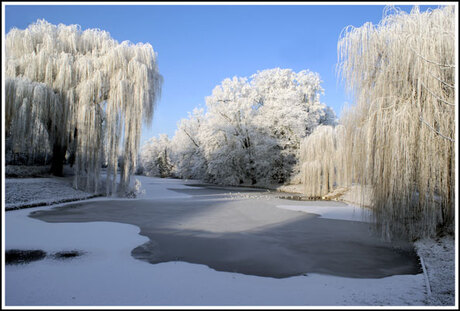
434,130
436,96
431,61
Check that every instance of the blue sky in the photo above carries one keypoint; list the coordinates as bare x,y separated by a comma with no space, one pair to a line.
200,45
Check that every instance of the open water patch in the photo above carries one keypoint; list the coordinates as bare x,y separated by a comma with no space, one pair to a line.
66,255
18,256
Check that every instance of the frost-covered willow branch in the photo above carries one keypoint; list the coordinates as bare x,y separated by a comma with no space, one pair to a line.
318,154
430,61
105,91
28,106
443,82
408,65
437,132
436,96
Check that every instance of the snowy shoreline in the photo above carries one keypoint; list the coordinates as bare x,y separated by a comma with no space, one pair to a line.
32,192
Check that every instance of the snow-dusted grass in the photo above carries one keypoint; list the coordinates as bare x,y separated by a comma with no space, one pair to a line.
439,258
24,171
29,192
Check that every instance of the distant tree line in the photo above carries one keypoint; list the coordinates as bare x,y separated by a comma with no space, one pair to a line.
249,134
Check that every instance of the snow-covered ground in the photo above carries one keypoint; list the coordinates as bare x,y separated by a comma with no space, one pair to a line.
439,258
330,211
107,274
29,192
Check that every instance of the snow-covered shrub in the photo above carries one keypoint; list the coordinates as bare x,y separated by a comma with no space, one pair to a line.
136,190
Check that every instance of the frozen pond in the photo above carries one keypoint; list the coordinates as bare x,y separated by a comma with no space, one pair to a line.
101,252
213,226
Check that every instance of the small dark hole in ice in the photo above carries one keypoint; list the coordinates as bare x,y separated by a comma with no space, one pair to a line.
17,256
67,254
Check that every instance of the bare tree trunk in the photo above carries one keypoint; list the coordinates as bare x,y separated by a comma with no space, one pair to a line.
57,162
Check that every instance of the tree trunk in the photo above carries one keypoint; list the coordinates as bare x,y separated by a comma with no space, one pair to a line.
57,162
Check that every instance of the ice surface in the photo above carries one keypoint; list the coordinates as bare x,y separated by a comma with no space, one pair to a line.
107,274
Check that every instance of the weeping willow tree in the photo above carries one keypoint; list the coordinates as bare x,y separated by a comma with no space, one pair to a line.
27,108
330,157
89,93
399,137
402,75
318,155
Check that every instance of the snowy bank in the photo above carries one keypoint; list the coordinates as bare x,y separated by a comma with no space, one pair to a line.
30,192
438,256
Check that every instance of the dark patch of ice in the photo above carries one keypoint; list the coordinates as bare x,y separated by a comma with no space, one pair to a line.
17,256
67,254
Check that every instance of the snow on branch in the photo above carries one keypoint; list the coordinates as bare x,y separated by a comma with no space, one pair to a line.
434,130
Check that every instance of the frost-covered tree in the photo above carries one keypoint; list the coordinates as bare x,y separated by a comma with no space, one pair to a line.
102,91
256,124
402,72
187,147
318,153
155,157
251,131
228,133
28,103
289,109
399,137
